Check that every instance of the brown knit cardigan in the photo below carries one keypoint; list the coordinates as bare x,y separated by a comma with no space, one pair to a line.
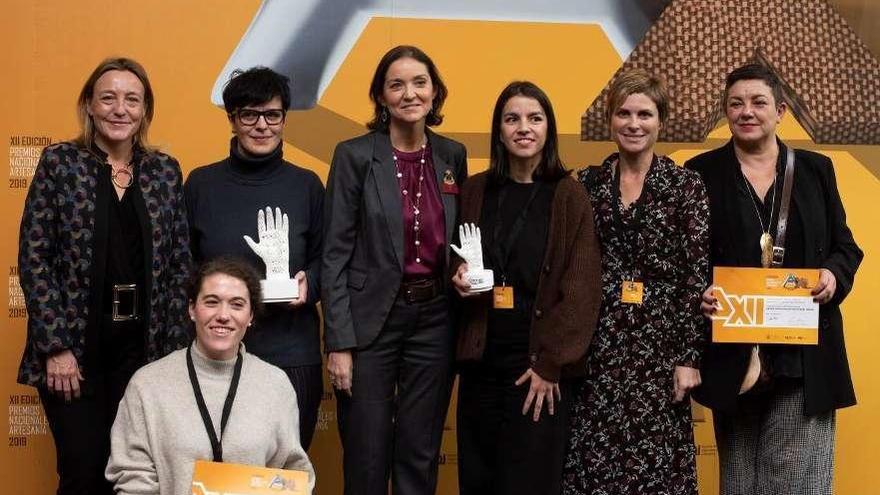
569,288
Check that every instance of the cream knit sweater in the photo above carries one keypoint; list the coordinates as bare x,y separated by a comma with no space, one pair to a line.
158,433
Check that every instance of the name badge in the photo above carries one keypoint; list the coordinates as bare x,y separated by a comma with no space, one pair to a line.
502,297
632,292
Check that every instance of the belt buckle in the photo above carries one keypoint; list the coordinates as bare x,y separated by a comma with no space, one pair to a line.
778,256
129,290
419,291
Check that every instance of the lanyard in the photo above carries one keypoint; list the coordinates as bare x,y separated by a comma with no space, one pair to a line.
216,445
501,250
628,233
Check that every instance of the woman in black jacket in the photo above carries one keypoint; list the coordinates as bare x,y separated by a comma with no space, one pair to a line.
104,259
776,434
390,210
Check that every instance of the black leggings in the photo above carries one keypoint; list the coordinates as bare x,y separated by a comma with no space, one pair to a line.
308,382
81,427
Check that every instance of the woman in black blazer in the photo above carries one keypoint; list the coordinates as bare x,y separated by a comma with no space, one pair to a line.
390,210
777,436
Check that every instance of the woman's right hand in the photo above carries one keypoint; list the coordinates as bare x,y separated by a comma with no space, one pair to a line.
63,375
709,304
339,367
458,281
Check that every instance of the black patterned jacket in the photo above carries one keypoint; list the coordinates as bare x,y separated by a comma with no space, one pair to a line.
62,253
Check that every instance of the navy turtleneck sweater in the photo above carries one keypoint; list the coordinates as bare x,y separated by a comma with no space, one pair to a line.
222,200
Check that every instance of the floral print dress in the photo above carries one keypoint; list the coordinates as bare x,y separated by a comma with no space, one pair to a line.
628,437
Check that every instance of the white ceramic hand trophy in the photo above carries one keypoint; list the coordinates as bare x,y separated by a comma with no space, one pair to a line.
274,250
471,251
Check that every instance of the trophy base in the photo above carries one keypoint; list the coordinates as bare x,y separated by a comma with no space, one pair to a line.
279,290
480,280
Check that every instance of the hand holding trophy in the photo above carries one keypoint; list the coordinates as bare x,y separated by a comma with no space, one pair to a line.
471,251
274,249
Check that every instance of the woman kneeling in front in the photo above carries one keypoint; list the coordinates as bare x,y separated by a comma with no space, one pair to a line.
233,407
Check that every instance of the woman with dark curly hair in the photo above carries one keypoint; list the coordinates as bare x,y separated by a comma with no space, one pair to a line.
234,407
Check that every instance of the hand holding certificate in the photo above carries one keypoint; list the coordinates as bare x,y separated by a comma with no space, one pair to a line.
765,306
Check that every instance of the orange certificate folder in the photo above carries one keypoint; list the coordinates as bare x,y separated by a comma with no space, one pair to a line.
220,478
765,306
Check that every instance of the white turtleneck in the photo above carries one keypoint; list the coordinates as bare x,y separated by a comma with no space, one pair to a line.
159,434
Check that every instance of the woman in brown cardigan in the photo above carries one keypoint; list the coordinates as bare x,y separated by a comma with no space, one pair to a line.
521,345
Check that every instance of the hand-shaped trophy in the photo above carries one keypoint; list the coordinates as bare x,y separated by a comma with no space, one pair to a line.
274,250
471,251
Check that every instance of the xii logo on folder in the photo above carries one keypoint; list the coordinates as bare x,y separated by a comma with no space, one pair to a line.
765,306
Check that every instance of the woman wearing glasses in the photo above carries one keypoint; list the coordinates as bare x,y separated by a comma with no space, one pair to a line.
255,205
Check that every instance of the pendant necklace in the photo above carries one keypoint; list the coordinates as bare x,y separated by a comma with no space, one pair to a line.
123,170
766,242
415,202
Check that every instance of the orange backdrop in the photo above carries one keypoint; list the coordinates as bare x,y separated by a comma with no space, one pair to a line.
51,46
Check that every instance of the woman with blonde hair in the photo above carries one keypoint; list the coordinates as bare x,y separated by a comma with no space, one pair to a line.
103,258
632,422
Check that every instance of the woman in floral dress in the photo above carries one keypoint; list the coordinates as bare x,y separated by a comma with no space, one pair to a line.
631,430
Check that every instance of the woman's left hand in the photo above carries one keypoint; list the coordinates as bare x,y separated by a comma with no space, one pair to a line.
303,282
684,380
824,290
540,391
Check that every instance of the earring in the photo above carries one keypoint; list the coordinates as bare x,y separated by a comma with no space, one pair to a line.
384,115
193,318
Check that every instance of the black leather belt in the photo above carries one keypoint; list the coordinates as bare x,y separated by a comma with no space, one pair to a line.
421,290
124,306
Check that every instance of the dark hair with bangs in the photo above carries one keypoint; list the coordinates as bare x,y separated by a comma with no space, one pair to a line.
377,85
551,167
255,86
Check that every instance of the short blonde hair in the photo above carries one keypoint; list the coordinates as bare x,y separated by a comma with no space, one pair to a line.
636,81
86,126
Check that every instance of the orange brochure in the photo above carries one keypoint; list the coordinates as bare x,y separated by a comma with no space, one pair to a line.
220,478
765,306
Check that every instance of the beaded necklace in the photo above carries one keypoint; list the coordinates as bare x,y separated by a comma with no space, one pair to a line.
414,202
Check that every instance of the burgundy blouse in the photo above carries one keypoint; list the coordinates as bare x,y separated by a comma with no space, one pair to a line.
424,226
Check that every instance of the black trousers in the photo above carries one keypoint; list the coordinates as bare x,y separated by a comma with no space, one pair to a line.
308,382
501,451
81,427
392,425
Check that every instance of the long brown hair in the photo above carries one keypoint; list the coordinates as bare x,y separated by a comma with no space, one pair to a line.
550,167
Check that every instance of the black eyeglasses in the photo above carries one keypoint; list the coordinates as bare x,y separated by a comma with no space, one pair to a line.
250,117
